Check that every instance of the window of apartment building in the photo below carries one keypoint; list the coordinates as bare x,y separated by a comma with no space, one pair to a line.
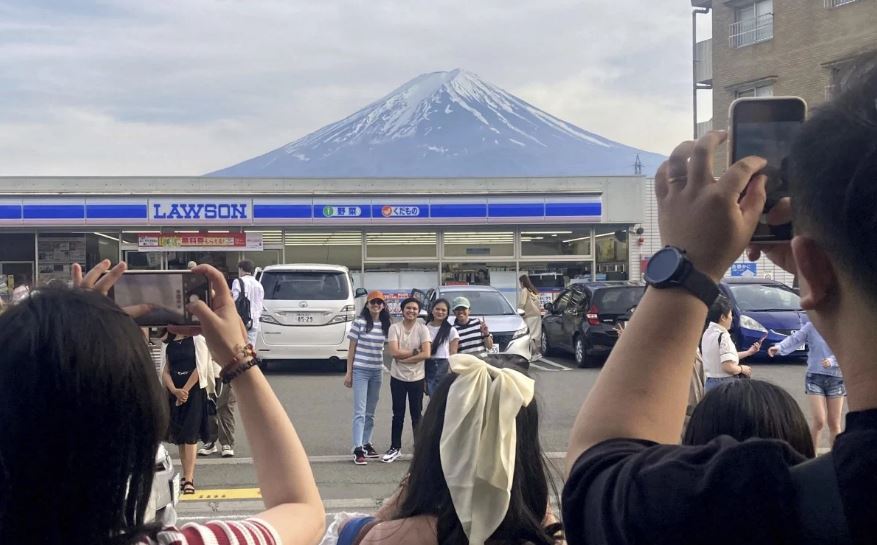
761,90
753,23
837,3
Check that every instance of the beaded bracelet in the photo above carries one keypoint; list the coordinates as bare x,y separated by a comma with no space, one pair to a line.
233,371
241,352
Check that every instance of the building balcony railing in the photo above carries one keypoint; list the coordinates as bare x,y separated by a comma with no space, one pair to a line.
838,3
703,61
751,31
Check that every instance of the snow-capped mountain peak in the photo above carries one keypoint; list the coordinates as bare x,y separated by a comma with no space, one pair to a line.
446,124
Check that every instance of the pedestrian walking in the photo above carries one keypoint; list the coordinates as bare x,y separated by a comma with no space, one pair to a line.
475,337
528,301
410,345
188,373
721,361
823,382
251,289
444,343
365,365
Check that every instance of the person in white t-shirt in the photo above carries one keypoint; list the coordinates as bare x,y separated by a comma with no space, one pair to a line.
253,290
409,344
445,342
721,361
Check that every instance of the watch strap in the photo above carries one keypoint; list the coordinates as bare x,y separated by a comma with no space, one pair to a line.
699,284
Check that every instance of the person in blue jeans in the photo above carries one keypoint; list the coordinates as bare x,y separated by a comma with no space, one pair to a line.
823,383
445,341
365,363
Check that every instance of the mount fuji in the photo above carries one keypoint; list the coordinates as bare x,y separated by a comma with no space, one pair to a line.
447,124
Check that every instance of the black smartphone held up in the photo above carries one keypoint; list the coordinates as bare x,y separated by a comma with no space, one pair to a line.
159,298
766,127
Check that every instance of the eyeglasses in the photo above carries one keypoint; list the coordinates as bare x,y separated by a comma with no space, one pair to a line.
376,302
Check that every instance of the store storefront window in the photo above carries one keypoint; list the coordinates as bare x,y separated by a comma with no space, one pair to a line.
502,276
333,248
540,241
550,278
401,245
611,248
396,280
57,252
477,244
16,263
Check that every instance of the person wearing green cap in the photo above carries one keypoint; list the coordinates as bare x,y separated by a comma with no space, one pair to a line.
475,338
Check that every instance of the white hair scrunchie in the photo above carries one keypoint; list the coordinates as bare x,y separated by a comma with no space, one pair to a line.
479,441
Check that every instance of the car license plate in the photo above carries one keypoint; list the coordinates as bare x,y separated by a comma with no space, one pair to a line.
494,349
305,318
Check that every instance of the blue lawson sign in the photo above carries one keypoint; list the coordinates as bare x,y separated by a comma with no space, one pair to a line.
744,269
207,210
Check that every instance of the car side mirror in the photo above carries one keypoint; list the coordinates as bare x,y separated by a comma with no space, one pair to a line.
360,292
549,308
521,312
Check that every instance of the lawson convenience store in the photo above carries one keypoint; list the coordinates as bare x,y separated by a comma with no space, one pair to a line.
393,234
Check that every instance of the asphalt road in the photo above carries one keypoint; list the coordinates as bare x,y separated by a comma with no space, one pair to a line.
320,408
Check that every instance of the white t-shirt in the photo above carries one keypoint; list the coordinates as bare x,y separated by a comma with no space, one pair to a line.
717,347
255,293
408,340
443,351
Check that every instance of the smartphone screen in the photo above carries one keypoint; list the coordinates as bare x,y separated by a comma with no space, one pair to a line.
159,298
766,127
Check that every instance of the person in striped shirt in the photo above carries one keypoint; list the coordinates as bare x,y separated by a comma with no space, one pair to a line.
83,414
365,363
475,338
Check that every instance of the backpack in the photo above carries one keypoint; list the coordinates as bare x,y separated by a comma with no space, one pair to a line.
242,305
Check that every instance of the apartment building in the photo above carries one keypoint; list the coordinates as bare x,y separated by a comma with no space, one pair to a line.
778,47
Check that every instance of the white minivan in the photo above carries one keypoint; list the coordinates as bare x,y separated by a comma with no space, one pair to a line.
308,310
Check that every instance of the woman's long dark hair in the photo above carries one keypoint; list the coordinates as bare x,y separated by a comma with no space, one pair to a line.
384,317
528,284
750,408
427,491
444,330
82,415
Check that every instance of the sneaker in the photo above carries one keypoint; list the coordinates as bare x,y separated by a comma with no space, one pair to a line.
370,451
391,455
359,457
207,449
227,451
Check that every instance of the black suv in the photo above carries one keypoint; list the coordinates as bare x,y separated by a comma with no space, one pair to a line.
582,319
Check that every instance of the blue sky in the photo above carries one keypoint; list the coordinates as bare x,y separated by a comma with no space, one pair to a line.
185,87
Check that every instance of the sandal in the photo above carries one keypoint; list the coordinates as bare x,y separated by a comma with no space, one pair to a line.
188,487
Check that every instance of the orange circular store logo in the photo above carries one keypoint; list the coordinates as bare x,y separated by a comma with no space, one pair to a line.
387,211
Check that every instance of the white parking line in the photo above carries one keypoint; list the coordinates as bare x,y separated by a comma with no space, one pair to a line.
549,362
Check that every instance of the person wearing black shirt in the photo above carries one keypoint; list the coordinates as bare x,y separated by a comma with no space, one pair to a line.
628,481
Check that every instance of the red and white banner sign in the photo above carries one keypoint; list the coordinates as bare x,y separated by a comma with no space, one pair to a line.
220,242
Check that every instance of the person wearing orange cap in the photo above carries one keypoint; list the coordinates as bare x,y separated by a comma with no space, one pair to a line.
365,364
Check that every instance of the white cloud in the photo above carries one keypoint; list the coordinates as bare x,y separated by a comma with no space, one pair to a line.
145,88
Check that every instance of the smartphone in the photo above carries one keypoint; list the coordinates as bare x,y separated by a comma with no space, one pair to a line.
159,298
766,127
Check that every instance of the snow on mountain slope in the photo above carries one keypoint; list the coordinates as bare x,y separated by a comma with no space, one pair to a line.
447,124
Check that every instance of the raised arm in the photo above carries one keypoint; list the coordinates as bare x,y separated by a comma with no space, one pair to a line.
703,217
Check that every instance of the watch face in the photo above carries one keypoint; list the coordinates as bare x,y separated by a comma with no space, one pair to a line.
663,265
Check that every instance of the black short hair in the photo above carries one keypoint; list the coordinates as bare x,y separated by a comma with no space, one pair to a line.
747,408
720,307
833,176
410,300
246,265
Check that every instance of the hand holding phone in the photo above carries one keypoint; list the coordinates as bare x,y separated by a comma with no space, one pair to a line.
766,127
160,298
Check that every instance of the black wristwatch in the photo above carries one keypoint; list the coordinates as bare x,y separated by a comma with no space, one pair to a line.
671,268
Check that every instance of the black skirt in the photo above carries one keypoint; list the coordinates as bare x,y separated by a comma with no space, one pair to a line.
188,422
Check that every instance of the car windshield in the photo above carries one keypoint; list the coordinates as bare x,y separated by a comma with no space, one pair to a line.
764,297
484,303
618,300
310,285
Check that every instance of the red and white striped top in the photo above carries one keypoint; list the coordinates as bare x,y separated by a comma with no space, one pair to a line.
218,532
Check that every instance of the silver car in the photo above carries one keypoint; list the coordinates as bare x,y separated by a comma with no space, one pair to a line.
510,332
165,490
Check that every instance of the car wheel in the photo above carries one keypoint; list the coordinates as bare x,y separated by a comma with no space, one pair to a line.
580,352
339,365
544,347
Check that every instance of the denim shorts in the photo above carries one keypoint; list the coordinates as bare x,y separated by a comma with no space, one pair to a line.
824,385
